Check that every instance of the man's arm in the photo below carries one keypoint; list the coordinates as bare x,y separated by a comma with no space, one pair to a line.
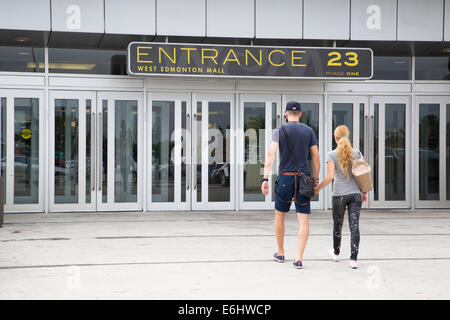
268,166
314,150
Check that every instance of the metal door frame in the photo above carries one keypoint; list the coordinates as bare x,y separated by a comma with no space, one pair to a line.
443,101
382,101
309,98
111,97
369,105
268,99
81,205
178,98
204,98
10,95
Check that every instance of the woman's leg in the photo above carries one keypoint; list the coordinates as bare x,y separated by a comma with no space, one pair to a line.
354,209
338,220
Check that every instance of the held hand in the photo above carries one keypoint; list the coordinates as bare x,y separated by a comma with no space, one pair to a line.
364,197
316,190
265,188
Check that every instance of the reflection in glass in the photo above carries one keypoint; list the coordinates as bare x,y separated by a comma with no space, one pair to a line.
394,157
254,149
163,123
125,174
310,117
391,68
432,68
22,59
218,158
447,156
104,168
26,150
3,138
342,114
87,61
429,152
66,151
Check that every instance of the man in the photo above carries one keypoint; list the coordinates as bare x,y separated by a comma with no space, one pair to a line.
293,159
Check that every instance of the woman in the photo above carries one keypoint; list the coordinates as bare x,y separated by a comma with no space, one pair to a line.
346,193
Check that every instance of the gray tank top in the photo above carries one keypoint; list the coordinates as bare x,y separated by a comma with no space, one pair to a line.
342,186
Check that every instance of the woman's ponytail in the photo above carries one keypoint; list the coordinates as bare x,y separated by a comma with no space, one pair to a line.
344,149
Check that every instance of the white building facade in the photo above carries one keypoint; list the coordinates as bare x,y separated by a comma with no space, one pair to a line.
80,134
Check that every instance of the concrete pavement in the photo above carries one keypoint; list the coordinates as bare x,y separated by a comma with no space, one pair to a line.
220,255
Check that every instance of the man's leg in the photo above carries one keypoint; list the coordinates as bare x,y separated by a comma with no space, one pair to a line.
303,234
279,231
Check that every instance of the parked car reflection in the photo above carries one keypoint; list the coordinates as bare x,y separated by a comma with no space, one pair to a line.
221,173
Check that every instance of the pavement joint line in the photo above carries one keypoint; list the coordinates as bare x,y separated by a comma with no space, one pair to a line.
204,261
214,236
206,220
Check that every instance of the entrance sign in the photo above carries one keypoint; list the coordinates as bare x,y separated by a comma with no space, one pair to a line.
163,59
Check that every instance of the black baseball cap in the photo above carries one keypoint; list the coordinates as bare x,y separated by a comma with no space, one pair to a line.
293,105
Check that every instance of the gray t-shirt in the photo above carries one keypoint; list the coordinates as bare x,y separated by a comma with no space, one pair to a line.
341,185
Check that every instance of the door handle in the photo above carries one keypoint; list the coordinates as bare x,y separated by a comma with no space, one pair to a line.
188,167
100,150
372,140
278,120
366,136
194,156
93,151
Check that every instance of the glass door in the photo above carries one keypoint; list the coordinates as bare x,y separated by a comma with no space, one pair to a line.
22,149
259,115
72,151
95,151
213,148
387,128
312,115
379,128
432,152
350,111
169,136
119,150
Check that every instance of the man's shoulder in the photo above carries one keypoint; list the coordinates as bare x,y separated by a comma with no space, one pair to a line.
301,127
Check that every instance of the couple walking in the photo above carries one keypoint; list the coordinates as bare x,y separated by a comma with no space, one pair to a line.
295,142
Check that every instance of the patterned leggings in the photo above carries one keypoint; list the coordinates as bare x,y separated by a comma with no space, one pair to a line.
353,202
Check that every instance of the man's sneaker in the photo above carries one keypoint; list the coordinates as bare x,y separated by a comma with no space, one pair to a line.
278,258
298,264
334,257
354,264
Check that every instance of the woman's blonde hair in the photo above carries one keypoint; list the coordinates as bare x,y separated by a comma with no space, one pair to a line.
344,149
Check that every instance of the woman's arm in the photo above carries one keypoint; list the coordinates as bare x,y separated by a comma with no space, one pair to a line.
329,177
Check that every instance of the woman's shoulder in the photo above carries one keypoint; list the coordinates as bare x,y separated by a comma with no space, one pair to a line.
332,154
334,151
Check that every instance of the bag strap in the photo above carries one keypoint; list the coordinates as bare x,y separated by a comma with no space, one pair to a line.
360,154
287,139
288,142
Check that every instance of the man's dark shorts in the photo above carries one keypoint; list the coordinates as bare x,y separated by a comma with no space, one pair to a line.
284,188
